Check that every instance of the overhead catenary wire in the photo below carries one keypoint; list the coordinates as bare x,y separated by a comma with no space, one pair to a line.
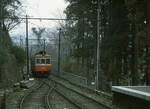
27,47
35,18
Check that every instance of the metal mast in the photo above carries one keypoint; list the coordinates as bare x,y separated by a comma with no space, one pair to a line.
27,46
98,38
59,51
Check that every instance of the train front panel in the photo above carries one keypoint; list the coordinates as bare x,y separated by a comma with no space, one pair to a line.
42,66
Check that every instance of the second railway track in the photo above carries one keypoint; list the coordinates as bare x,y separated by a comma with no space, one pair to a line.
45,96
53,95
79,99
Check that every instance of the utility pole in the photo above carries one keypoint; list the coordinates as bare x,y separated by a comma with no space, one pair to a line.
1,14
44,46
98,38
27,47
59,51
1,17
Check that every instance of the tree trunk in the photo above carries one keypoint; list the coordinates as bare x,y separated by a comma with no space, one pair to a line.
134,73
147,71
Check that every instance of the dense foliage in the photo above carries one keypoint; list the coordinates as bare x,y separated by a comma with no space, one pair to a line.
12,58
124,41
19,54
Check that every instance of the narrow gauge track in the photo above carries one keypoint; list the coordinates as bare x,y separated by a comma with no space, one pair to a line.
47,102
30,92
35,98
81,100
38,98
65,100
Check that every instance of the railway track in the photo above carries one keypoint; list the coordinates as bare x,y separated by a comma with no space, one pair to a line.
51,94
39,98
36,98
60,98
80,100
30,92
47,102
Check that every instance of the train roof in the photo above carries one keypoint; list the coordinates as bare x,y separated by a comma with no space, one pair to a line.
42,54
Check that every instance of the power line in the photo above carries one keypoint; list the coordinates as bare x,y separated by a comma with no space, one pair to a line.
36,18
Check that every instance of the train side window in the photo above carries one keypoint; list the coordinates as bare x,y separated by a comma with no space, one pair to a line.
38,61
48,61
42,61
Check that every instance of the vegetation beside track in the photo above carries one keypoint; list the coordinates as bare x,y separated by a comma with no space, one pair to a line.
11,64
11,56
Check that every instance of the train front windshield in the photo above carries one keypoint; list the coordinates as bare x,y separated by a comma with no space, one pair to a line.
48,61
38,61
43,61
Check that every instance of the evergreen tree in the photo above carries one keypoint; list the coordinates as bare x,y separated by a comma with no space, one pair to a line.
124,42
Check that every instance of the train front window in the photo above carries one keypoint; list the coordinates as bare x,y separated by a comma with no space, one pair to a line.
42,61
38,61
47,61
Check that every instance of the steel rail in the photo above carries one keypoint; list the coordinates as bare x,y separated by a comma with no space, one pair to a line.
47,103
26,95
104,105
61,94
70,100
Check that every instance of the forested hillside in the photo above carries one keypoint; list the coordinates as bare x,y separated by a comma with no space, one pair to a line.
11,56
124,40
124,51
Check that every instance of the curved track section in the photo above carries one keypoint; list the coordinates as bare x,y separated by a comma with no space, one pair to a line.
47,102
58,100
36,98
27,94
47,96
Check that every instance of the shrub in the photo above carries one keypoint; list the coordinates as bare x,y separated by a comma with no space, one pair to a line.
19,54
11,61
4,54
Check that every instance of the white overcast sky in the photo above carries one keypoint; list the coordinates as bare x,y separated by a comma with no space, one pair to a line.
41,8
44,8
